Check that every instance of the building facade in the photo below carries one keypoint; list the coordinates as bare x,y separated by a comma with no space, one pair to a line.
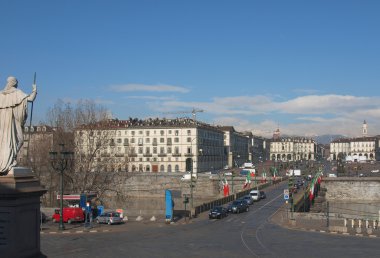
236,146
37,139
354,149
153,145
292,149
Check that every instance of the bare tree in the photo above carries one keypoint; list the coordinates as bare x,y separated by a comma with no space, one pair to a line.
83,128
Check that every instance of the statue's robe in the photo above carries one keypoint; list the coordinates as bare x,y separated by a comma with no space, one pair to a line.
13,114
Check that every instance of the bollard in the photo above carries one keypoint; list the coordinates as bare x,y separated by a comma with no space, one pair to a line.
345,222
352,223
366,223
374,224
360,223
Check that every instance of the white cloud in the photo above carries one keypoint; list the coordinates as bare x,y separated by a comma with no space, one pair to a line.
306,115
150,88
166,98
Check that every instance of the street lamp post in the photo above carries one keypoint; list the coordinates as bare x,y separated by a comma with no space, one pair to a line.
60,161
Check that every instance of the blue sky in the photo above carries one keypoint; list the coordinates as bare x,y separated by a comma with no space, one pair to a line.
309,67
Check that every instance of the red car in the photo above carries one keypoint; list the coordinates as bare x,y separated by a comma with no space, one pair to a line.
70,214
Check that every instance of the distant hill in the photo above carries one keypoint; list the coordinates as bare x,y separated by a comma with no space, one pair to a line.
326,139
323,139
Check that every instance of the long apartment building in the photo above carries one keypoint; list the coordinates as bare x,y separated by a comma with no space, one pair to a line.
354,149
153,145
236,146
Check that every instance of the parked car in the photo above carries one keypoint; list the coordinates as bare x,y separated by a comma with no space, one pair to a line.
239,206
187,176
217,212
262,195
109,218
43,217
70,214
255,195
248,199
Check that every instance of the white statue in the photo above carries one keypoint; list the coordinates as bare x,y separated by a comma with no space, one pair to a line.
13,114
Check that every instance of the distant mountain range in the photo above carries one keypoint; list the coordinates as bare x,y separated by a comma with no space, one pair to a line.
326,139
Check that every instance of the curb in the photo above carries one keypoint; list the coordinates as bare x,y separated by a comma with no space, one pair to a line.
334,232
74,232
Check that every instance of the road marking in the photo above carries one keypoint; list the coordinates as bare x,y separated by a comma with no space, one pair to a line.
322,231
66,232
80,231
333,232
92,231
372,236
359,234
53,232
345,233
257,238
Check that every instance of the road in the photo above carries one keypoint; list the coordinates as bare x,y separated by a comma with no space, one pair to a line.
248,234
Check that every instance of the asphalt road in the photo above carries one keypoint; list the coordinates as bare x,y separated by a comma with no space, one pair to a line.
247,234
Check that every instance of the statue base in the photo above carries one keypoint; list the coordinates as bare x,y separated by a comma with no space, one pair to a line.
20,193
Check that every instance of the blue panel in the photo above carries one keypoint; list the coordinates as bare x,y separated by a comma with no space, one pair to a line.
169,205
83,201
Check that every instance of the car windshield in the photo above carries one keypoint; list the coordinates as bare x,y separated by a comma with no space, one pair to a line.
218,209
236,203
254,194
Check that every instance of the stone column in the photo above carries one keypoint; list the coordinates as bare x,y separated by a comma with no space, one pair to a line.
20,193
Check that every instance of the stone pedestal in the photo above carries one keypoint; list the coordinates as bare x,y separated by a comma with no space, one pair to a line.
20,193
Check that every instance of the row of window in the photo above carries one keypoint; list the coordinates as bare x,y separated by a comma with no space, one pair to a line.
147,132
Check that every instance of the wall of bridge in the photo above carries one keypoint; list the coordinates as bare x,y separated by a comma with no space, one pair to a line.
144,193
350,189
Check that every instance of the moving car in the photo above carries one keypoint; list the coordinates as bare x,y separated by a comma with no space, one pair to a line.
239,206
262,195
109,218
70,214
217,212
248,199
255,195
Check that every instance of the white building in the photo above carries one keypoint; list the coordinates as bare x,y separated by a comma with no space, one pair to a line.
354,149
153,145
357,149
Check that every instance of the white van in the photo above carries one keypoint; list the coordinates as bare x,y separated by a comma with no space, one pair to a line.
255,195
188,176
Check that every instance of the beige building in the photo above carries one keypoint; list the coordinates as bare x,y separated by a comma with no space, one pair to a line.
37,140
236,146
292,149
153,145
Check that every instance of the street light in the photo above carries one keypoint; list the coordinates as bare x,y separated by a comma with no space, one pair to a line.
60,161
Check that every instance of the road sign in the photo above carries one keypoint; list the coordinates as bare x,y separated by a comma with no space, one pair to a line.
286,191
286,196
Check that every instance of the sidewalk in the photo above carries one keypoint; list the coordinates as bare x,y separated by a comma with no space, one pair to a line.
305,222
